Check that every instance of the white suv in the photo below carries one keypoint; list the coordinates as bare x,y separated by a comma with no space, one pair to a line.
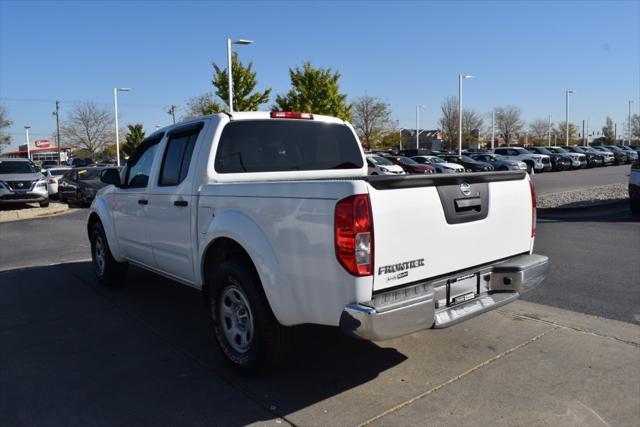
534,162
21,182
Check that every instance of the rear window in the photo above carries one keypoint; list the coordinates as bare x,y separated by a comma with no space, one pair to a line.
286,145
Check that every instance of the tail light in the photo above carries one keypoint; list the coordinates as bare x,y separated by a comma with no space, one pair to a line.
534,217
354,234
51,181
290,115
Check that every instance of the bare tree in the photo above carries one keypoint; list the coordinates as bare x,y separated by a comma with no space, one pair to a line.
202,105
561,133
371,120
5,138
635,127
539,129
471,125
88,127
608,132
509,122
449,120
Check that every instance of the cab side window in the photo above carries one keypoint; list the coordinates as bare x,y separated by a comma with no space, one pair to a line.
139,165
177,155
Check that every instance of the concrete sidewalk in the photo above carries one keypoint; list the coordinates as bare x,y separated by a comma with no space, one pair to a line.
74,353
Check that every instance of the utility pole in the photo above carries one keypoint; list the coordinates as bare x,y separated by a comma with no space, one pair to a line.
493,129
172,111
583,135
566,119
57,114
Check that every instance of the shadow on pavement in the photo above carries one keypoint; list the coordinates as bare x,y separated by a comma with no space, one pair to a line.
73,352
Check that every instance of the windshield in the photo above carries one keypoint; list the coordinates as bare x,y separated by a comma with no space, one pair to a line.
8,166
58,172
406,161
467,159
379,160
542,150
521,151
436,160
559,150
88,174
612,148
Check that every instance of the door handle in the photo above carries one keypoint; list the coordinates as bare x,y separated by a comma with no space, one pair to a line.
181,203
143,202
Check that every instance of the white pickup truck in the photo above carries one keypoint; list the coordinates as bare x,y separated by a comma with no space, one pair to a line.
273,216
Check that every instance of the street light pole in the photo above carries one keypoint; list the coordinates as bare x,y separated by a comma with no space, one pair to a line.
26,130
549,131
229,73
418,107
566,113
115,103
461,77
629,119
400,131
57,114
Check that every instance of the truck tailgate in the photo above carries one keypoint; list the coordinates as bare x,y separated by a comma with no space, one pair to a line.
430,226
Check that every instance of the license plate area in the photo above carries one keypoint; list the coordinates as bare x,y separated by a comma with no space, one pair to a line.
459,290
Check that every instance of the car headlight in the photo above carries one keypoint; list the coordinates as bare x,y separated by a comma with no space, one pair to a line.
384,169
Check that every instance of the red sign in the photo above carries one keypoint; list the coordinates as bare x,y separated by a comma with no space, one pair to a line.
42,143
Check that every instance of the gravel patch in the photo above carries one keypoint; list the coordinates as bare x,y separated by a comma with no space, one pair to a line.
584,198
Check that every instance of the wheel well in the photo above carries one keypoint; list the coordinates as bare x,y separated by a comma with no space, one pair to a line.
93,218
529,162
217,252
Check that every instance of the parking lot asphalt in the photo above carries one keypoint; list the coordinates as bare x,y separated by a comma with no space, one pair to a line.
555,182
75,353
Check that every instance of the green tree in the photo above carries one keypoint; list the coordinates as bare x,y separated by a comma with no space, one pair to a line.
314,90
135,135
245,98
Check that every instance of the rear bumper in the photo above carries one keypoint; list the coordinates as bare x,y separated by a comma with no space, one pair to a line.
421,306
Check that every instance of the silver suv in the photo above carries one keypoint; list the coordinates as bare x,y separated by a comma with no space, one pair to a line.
22,182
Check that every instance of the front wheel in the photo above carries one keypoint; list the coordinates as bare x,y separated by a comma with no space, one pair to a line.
108,271
44,204
245,328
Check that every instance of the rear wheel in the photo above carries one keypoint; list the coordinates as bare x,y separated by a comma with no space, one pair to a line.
634,204
44,204
245,328
107,269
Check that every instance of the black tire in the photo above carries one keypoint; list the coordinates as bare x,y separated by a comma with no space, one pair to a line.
235,285
634,205
108,271
529,168
44,204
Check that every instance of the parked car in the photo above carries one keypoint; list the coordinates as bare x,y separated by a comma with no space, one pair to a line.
607,156
593,159
411,166
619,156
578,160
559,161
633,154
535,162
468,163
53,175
634,147
241,206
79,162
49,164
439,164
499,162
379,165
80,185
22,182
634,187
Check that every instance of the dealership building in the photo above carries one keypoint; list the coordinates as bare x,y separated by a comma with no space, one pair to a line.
39,151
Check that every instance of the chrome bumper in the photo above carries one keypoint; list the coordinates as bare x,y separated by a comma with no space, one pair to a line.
428,304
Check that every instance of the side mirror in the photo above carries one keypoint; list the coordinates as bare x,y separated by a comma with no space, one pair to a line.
111,176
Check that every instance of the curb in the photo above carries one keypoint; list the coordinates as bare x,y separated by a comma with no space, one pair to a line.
17,215
591,209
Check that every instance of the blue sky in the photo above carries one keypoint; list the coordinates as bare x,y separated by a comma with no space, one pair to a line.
521,53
